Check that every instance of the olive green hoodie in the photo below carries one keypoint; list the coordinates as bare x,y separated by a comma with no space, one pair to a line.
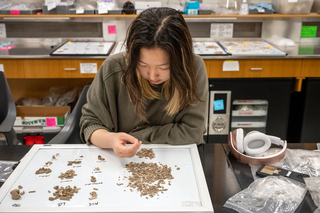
109,107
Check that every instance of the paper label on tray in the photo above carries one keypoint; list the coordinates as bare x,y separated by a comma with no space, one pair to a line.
292,0
88,68
230,65
103,11
79,11
1,68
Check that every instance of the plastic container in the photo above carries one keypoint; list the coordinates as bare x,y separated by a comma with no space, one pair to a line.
316,6
292,6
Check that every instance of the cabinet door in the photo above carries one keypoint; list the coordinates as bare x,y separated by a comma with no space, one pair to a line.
255,68
13,68
71,68
42,68
310,68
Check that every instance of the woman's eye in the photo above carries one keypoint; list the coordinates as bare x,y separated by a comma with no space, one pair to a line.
165,68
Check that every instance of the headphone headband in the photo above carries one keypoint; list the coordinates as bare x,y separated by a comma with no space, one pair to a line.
257,160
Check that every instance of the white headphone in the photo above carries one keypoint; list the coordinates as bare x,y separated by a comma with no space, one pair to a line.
252,144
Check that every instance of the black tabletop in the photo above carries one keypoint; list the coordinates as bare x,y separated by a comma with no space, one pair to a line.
224,174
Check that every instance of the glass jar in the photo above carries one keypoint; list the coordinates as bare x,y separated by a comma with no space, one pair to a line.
233,5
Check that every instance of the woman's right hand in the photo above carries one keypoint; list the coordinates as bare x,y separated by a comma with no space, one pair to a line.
117,141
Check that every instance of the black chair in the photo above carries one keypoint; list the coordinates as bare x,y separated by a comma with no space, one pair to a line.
7,113
70,133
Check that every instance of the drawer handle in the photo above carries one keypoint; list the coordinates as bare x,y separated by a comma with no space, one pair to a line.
70,69
255,69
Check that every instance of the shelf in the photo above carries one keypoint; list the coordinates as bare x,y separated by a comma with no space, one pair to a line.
185,16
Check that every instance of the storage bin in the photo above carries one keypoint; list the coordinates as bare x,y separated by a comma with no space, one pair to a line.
292,7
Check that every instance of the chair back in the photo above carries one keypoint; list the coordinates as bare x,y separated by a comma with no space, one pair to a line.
70,133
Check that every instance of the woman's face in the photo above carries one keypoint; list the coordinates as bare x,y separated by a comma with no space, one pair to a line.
154,65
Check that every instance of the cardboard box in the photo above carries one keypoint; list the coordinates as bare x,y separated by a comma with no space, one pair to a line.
49,116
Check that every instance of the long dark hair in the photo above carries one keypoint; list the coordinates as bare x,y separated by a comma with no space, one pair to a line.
165,28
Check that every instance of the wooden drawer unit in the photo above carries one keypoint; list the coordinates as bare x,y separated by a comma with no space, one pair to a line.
70,68
13,68
57,68
310,68
255,68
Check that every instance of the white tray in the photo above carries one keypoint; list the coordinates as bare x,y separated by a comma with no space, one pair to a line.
188,191
251,48
207,48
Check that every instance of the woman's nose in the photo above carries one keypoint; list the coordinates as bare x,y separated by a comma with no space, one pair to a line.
153,74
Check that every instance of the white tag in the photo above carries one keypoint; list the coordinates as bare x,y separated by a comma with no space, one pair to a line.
231,66
193,12
88,68
1,68
221,30
79,11
3,33
292,0
261,10
103,11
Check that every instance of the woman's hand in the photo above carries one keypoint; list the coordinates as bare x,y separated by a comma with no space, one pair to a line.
117,141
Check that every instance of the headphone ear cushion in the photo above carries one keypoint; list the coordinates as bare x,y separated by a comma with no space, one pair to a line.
239,140
256,143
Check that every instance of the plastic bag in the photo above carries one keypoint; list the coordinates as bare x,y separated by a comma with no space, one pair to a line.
279,41
53,96
313,185
303,161
269,194
67,98
4,4
27,101
6,168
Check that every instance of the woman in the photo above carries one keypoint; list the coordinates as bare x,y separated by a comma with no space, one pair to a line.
155,92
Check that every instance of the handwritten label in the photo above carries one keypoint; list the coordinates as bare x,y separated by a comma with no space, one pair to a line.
16,205
76,166
231,65
44,175
51,122
112,29
96,172
86,68
3,33
242,124
97,183
61,204
15,12
93,204
245,112
64,181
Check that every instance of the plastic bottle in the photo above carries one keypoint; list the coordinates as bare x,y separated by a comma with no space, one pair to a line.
244,8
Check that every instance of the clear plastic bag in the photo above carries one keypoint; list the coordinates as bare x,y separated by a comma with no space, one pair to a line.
279,41
6,168
303,161
268,195
28,101
4,4
67,98
53,96
313,185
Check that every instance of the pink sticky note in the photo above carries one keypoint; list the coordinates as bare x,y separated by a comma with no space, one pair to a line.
7,47
15,12
51,122
112,29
